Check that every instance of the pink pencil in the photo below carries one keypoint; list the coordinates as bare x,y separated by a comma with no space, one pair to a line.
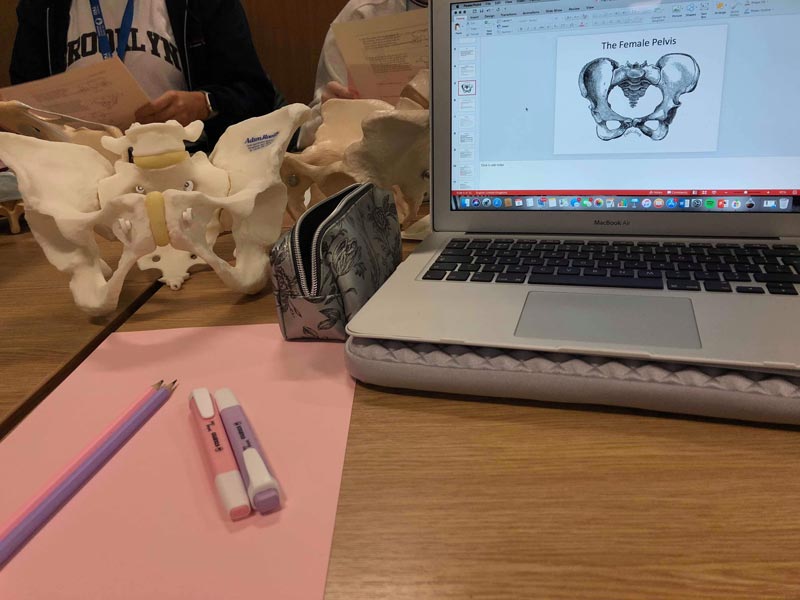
12,536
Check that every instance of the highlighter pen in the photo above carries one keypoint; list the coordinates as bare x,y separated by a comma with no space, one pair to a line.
219,455
262,487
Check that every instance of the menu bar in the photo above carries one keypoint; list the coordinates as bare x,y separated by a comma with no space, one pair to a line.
493,18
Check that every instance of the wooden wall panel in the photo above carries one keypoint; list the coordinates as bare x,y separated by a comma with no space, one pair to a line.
8,29
288,36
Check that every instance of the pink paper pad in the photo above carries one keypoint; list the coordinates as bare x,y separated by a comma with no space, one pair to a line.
149,524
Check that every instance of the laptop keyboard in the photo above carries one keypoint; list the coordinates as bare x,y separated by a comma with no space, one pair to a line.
679,266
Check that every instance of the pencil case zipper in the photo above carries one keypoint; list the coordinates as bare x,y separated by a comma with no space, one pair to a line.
349,196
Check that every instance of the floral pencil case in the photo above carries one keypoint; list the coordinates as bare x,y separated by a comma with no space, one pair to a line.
333,260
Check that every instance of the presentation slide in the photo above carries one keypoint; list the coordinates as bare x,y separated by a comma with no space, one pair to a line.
702,104
656,90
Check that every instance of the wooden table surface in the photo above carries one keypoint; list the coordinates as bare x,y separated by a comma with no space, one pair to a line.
43,335
445,497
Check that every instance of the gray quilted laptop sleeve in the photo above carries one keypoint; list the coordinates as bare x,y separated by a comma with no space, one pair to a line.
573,379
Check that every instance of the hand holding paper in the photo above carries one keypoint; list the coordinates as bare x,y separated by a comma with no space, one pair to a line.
104,92
334,89
184,107
383,54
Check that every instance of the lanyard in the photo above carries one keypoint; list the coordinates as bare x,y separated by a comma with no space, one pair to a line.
102,35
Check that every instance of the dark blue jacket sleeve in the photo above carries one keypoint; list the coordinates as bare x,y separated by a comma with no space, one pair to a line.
29,57
226,65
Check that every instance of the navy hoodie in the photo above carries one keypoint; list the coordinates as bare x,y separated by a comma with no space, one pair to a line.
213,39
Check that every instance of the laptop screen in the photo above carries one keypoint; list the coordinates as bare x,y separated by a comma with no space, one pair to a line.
625,105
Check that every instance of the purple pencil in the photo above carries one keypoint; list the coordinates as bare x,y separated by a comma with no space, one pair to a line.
23,527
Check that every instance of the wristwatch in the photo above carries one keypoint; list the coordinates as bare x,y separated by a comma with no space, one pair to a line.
212,108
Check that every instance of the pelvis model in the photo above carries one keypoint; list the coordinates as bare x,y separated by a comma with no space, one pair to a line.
161,203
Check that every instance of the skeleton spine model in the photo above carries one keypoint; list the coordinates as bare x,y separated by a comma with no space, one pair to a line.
673,74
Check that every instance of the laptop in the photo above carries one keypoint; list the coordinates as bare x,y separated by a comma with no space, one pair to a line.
609,177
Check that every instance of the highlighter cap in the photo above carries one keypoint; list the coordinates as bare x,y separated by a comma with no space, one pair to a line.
201,398
262,488
225,398
267,501
232,495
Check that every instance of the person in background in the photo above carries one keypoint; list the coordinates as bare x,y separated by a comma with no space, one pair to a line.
332,78
194,58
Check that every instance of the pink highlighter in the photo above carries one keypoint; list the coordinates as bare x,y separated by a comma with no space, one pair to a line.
219,455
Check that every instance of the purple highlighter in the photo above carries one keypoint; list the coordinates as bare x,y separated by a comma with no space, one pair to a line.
262,488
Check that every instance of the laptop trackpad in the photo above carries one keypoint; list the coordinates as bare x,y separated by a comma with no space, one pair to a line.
609,319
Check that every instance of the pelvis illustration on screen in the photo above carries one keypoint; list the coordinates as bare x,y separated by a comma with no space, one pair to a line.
673,74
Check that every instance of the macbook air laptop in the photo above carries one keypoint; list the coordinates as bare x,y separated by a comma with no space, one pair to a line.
611,177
